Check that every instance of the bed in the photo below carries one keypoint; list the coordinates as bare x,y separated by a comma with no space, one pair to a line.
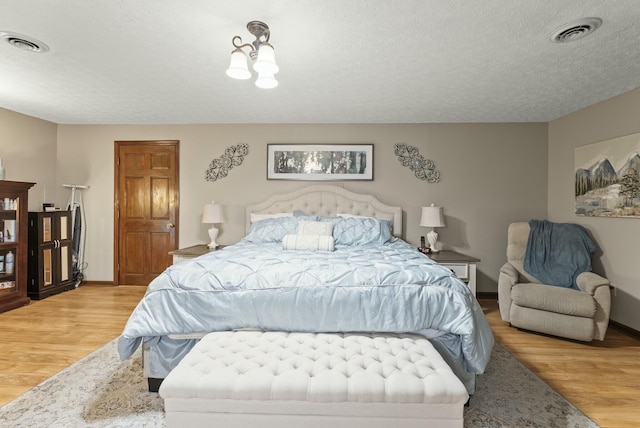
369,280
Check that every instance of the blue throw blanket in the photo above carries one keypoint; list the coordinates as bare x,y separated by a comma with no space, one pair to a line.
558,252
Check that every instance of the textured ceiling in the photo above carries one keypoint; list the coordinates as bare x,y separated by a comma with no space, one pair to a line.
341,61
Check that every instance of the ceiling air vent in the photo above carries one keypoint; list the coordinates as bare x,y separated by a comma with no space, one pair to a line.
24,42
575,30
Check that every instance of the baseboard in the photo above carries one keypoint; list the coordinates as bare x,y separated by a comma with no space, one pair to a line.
101,283
489,295
625,329
612,324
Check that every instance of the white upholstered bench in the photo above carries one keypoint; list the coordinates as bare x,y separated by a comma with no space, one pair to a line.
287,380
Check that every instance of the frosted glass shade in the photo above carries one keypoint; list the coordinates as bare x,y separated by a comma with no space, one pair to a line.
266,61
238,68
266,81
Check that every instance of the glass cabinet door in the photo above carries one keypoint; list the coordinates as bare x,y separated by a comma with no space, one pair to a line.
46,229
65,262
9,245
47,266
64,227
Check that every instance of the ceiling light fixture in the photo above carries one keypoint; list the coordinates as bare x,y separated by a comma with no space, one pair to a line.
23,42
261,53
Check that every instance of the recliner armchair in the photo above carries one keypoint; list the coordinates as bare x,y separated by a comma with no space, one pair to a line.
528,304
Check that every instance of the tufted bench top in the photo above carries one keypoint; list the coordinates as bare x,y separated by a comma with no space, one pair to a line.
265,372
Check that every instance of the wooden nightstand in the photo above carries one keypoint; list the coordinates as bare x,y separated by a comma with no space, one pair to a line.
463,266
191,252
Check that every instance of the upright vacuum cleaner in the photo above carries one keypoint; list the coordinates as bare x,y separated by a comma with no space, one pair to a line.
78,239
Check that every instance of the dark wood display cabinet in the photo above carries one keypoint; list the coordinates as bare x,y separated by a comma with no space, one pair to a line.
50,254
14,203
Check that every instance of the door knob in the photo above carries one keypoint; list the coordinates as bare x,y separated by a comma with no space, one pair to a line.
170,226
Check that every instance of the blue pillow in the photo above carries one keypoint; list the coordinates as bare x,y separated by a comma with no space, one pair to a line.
272,229
361,231
302,216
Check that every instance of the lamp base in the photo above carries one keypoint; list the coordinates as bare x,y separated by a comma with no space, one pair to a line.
213,234
432,237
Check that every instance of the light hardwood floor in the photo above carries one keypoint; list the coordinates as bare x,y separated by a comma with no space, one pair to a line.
37,341
42,338
600,378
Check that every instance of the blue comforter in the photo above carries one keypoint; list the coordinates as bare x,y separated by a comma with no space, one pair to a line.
385,288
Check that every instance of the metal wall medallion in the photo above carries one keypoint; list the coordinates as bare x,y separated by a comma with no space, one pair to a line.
233,156
410,157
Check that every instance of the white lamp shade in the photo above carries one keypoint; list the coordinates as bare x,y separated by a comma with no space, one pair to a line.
432,217
266,61
266,81
238,68
212,213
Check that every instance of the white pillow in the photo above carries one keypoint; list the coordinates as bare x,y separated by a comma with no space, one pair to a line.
308,242
258,217
322,228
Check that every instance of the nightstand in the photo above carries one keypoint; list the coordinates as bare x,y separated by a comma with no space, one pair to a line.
463,266
191,252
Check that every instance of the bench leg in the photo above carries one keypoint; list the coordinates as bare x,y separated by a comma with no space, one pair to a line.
154,383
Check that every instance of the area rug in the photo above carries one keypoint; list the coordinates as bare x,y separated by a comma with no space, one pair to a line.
102,391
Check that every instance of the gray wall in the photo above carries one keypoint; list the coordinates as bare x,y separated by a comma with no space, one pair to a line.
492,174
28,149
618,238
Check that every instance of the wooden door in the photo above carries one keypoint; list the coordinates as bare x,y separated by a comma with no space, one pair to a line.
146,209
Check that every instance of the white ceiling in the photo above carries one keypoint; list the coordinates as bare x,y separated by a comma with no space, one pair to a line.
341,61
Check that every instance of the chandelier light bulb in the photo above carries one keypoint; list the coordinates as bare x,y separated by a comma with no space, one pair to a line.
266,61
266,81
238,68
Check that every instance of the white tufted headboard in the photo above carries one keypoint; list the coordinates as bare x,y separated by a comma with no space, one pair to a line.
327,201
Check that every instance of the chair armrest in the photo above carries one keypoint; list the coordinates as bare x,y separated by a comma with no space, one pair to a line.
589,282
509,274
508,278
598,287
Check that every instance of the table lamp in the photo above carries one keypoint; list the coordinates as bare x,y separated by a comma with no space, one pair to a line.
212,213
432,217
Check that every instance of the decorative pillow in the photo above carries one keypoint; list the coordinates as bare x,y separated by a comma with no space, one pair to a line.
315,228
272,229
303,216
362,231
258,217
307,217
308,242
